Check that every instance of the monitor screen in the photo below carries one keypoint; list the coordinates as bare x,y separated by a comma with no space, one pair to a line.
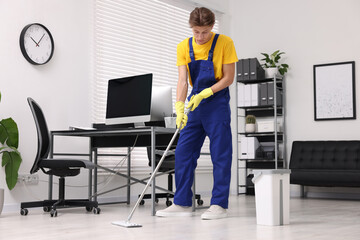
128,99
134,100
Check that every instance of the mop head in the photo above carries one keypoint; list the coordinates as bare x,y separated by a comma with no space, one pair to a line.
126,224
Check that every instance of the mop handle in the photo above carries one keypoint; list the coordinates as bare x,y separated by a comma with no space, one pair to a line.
156,170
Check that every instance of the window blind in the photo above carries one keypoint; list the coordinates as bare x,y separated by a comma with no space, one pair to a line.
133,38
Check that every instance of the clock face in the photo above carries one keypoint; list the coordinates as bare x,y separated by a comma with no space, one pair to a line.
36,43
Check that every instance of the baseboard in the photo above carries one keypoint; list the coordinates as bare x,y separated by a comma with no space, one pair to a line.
14,207
327,194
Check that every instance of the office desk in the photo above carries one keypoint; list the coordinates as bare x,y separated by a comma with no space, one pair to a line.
107,138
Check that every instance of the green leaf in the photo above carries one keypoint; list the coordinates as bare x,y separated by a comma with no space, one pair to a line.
277,58
0,96
12,162
275,53
9,133
5,158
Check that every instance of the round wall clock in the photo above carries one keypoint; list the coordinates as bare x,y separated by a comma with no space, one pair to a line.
36,44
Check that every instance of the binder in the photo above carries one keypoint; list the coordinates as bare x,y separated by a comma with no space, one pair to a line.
255,95
243,142
270,93
263,94
240,71
241,95
246,69
256,71
270,97
247,95
252,147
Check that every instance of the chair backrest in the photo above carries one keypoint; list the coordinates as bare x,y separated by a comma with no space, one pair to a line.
42,133
169,161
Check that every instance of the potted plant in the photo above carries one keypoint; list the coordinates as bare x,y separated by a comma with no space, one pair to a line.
272,66
250,122
11,158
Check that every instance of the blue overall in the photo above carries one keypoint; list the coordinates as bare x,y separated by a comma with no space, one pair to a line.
211,118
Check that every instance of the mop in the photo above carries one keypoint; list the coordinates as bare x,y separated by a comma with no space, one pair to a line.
127,222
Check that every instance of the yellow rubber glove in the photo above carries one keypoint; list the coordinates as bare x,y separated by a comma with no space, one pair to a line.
196,99
181,117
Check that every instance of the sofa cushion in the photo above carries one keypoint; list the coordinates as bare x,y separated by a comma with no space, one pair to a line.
325,155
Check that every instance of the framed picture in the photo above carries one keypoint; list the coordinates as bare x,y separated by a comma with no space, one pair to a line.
334,91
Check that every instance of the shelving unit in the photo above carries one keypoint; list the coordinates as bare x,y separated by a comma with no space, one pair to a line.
273,112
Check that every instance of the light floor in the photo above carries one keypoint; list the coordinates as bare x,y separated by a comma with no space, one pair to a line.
309,219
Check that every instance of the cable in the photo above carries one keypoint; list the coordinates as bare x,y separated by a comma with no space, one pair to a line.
111,175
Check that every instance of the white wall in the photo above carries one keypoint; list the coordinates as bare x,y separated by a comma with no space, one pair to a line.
61,86
310,32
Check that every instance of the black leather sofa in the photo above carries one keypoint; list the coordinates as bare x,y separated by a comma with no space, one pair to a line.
325,163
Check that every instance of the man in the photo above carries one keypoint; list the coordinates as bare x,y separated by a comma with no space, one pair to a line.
209,61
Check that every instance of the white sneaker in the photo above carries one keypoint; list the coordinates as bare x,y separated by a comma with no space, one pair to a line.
214,212
175,211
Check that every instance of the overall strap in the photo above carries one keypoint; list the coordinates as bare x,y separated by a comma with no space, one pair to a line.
211,52
192,56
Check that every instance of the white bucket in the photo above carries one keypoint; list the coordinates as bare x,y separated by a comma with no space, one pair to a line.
272,196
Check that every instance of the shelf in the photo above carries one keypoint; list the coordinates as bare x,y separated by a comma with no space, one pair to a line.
259,159
263,112
264,165
262,107
278,80
256,134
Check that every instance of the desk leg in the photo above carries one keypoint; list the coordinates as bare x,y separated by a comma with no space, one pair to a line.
129,174
90,173
153,169
51,155
95,150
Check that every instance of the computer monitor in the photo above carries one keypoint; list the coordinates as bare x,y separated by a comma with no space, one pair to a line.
134,100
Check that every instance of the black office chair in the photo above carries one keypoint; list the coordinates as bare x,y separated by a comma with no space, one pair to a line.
58,167
168,166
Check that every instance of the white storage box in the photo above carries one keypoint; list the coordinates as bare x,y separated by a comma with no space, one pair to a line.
267,126
272,196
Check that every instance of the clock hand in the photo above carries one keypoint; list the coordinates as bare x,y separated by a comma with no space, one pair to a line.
34,42
41,39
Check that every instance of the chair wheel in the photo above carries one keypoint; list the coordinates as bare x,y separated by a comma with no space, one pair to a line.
46,209
142,202
200,202
168,203
53,213
24,212
89,209
156,200
96,210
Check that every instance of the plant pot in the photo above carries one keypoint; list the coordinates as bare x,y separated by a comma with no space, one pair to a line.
1,199
250,128
271,72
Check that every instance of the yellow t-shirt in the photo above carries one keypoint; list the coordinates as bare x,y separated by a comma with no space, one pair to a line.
224,53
